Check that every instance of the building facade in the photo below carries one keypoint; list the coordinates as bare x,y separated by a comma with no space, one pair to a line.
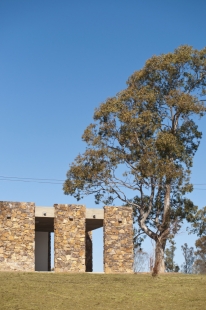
25,231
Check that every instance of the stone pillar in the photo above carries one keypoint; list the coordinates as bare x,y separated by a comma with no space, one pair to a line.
17,236
69,238
89,257
118,240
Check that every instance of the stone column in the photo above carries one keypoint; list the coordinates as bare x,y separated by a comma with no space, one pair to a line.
118,240
69,238
89,257
17,236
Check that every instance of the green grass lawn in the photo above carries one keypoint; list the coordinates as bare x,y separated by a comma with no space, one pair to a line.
99,291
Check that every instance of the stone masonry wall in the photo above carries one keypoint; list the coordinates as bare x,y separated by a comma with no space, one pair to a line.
17,235
69,238
89,256
118,240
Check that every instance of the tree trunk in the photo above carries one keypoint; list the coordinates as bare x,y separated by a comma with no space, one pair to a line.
159,265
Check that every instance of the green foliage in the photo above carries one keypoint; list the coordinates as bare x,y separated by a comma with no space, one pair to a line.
200,255
189,258
199,226
141,145
170,265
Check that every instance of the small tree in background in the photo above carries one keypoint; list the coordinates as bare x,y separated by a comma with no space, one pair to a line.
141,145
140,260
200,254
170,265
188,253
199,223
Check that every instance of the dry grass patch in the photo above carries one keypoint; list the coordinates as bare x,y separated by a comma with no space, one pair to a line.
22,291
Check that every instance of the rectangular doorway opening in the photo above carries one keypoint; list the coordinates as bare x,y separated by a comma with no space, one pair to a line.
97,240
94,240
42,251
44,227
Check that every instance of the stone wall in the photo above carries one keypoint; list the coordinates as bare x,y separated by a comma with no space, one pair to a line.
118,240
17,235
69,238
89,256
72,244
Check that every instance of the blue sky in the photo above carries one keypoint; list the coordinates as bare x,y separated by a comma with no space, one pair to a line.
61,59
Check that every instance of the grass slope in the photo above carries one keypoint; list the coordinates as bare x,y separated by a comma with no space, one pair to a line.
22,291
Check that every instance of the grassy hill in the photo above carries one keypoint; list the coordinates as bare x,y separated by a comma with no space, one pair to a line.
22,291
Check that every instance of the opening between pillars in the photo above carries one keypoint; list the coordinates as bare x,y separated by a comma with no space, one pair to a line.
43,251
94,253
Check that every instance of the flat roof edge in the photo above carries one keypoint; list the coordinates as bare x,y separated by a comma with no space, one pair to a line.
41,211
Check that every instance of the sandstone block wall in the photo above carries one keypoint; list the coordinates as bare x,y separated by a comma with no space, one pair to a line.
89,256
118,240
17,236
69,238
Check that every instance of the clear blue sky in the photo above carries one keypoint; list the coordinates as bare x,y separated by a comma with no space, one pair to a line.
61,59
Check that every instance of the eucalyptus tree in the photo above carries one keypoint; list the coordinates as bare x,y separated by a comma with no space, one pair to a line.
188,254
200,255
141,144
199,227
170,264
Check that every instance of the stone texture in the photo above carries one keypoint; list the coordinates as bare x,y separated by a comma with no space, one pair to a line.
17,238
17,235
89,257
118,240
69,238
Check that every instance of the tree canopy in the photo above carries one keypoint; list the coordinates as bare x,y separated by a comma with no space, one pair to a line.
141,145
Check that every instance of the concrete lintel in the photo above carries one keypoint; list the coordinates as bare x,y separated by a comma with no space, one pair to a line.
44,211
95,214
49,212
